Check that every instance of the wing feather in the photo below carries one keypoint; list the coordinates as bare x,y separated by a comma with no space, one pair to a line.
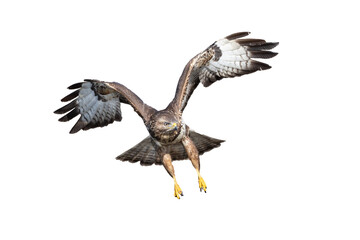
262,54
229,57
98,103
71,96
70,115
265,46
237,35
75,86
66,108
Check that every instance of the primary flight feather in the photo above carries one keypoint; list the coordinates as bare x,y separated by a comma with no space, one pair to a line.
98,104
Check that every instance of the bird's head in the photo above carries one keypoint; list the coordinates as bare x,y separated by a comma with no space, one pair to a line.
164,126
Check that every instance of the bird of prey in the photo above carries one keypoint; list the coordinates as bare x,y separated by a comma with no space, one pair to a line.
98,104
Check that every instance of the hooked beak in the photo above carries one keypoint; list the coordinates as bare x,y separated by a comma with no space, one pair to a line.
172,127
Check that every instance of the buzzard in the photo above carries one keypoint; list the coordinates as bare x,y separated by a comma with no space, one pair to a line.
98,104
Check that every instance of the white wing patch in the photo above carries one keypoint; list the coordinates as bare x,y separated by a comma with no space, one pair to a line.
233,57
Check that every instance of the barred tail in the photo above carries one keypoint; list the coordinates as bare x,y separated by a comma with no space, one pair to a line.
146,154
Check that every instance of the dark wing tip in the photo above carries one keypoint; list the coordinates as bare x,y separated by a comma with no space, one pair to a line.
262,54
66,108
70,115
78,126
265,46
251,42
255,65
75,85
237,35
273,44
70,96
73,131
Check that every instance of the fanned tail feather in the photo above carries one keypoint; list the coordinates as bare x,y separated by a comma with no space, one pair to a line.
145,151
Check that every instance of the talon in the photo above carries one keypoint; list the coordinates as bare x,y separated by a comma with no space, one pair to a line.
202,184
177,190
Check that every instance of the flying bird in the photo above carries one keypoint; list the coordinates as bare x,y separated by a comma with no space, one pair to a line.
98,104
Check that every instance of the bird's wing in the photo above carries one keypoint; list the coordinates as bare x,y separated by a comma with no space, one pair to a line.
98,103
229,57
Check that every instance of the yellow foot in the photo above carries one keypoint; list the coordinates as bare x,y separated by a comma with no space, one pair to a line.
202,184
178,190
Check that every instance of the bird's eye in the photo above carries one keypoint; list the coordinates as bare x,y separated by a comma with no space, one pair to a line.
166,123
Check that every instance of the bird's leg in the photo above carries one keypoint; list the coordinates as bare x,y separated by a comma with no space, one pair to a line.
170,169
193,155
202,184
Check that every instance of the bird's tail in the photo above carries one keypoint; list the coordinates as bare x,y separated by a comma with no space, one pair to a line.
203,143
145,151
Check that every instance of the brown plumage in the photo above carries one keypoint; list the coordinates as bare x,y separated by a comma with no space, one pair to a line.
98,104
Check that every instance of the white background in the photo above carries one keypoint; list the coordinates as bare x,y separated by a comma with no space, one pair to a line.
289,168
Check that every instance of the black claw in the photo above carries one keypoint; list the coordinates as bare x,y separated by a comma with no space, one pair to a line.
181,194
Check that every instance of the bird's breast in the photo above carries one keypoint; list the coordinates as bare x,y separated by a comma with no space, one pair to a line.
168,139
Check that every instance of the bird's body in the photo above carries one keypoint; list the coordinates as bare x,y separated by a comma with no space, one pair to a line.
169,137
165,128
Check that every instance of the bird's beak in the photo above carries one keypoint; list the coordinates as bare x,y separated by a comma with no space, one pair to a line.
174,126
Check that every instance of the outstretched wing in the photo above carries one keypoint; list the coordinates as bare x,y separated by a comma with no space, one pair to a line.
229,57
98,103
